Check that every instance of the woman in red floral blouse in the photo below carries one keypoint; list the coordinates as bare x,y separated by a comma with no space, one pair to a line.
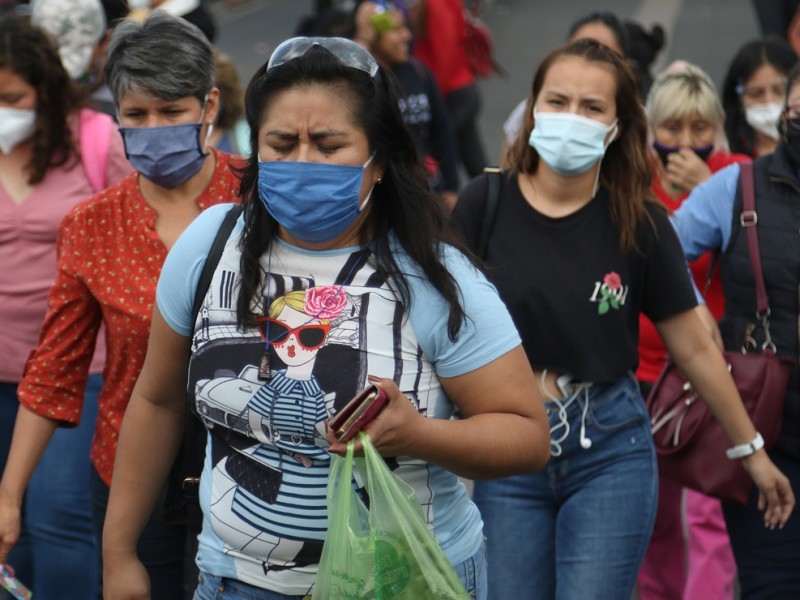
110,252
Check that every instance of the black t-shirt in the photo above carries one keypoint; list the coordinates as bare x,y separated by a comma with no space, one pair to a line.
572,292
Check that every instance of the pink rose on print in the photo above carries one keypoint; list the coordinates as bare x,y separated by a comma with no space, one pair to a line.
613,281
325,301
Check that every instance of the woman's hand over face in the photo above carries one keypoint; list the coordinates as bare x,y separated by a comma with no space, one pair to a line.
685,170
365,33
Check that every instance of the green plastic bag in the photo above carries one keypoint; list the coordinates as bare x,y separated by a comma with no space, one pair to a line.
385,552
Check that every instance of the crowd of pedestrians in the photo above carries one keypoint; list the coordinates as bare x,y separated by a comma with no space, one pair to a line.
184,255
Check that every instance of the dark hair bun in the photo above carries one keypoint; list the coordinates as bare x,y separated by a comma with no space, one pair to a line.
645,45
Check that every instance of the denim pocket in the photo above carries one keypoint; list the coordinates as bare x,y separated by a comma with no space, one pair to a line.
472,573
206,588
466,573
617,407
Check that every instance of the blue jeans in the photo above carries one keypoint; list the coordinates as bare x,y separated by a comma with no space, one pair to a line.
56,554
767,560
580,527
472,573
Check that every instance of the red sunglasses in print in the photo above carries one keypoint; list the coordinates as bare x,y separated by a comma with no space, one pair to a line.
310,337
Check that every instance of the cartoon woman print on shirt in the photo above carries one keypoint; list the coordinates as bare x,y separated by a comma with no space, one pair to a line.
297,326
287,416
325,339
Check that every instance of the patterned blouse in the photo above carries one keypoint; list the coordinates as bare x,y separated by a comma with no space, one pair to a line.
109,260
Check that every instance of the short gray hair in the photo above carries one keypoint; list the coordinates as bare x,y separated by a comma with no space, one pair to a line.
165,56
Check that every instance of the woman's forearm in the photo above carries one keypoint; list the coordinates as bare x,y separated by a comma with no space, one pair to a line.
149,439
709,376
484,446
503,428
32,433
148,444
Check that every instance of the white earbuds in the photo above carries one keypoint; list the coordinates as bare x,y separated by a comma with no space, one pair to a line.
586,443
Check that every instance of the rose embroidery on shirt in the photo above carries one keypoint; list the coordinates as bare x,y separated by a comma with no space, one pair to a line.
612,281
609,293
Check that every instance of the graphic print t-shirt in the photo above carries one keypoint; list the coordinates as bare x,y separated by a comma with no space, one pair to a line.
329,319
575,296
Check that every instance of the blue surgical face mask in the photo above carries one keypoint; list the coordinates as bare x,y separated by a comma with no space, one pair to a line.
568,143
314,202
168,156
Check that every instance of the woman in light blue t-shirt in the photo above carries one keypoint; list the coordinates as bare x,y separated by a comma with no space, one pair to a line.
337,275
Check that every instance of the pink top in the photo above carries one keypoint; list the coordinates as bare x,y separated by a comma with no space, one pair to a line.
28,254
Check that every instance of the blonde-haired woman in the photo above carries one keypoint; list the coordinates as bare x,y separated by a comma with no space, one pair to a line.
686,124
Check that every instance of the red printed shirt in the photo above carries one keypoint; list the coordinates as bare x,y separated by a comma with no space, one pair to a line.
109,260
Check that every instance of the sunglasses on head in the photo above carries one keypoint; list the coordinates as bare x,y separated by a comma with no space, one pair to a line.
346,52
310,337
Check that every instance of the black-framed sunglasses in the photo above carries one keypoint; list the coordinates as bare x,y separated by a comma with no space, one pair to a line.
346,51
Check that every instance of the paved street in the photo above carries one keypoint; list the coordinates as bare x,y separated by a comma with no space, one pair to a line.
707,32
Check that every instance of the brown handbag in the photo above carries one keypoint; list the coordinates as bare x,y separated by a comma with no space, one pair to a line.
690,442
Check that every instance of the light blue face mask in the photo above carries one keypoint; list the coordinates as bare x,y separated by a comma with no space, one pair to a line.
314,202
568,143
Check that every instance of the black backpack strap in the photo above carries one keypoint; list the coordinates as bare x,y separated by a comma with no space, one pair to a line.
214,254
494,176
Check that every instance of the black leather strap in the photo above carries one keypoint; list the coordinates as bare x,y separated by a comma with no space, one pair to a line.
212,260
494,177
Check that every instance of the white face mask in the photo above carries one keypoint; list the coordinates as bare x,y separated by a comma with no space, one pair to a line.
764,118
16,125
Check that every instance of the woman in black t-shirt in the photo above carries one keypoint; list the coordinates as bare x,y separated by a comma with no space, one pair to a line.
578,249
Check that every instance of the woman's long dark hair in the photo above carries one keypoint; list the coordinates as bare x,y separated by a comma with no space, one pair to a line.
27,51
401,205
771,50
625,171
